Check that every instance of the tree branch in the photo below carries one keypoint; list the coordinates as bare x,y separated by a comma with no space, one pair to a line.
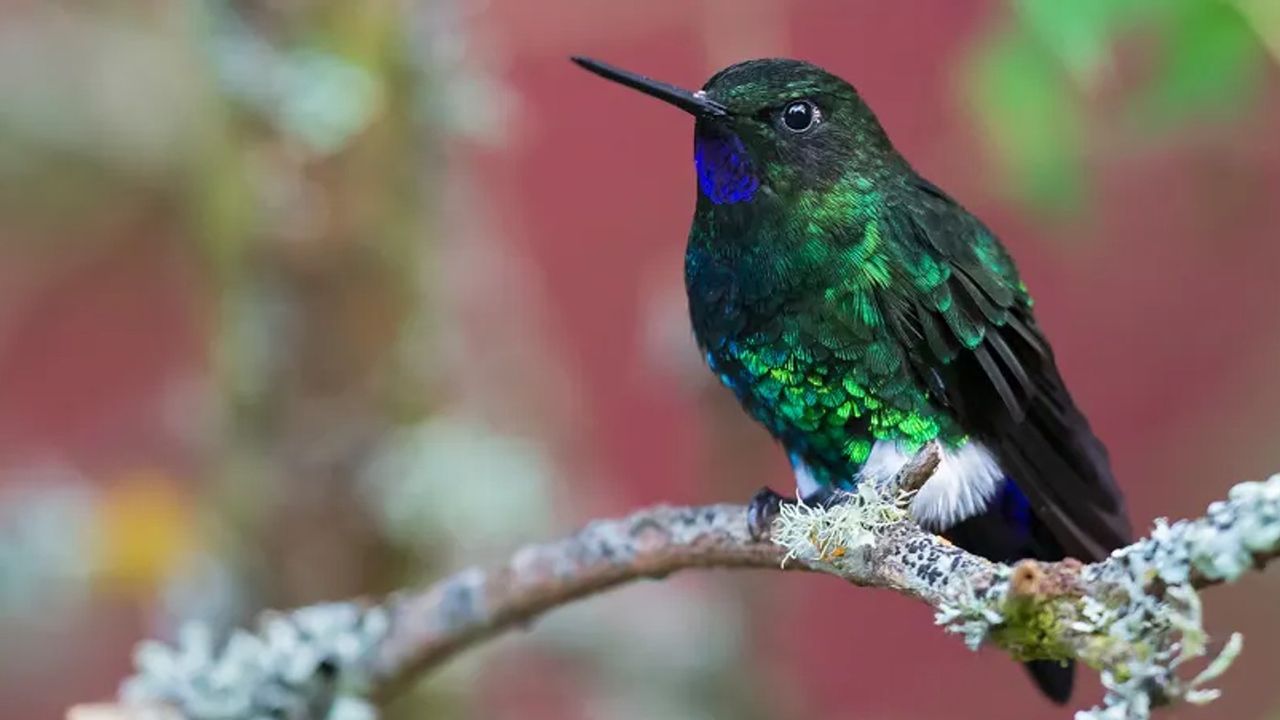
430,627
1135,616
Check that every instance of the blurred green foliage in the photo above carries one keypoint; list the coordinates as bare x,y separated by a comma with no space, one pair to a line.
297,148
1058,74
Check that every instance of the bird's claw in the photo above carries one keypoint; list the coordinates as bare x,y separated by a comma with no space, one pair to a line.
762,510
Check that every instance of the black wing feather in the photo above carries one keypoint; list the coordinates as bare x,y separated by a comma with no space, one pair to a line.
996,376
1007,391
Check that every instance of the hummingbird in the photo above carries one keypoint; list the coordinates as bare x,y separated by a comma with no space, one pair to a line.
858,312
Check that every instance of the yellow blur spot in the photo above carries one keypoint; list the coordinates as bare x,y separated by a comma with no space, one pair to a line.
146,529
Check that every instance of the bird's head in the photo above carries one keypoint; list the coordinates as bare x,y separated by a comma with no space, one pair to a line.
770,128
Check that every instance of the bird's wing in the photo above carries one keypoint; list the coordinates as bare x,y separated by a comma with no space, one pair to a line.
971,338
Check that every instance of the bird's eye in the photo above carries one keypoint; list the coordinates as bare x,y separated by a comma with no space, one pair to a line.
800,116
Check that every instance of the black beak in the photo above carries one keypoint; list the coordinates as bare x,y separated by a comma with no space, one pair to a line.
694,103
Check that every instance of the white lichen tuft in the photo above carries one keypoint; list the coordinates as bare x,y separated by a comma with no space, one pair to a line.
308,663
1157,638
972,617
1152,638
830,534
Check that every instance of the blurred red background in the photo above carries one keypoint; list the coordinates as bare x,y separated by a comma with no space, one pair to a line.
559,263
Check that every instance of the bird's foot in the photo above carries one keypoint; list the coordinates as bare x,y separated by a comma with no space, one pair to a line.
762,510
825,497
766,504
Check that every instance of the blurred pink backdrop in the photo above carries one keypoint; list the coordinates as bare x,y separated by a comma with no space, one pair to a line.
560,264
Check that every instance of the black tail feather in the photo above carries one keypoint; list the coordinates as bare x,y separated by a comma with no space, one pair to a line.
996,534
1054,679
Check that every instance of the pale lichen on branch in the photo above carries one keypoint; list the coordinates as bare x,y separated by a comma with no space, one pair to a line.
1135,617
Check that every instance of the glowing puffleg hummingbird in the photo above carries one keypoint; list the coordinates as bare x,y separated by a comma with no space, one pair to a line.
858,312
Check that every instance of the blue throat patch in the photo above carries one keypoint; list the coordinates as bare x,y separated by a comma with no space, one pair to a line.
725,174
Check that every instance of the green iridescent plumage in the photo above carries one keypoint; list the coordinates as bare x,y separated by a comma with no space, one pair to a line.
808,332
